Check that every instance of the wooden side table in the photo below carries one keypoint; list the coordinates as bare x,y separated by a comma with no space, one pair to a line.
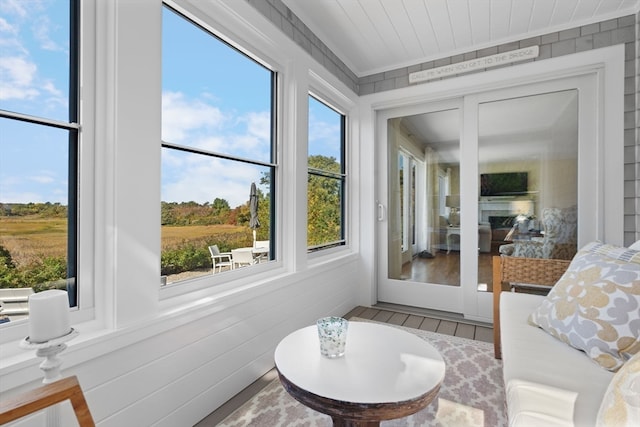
386,373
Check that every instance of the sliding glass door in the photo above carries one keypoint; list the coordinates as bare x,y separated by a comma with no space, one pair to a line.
489,168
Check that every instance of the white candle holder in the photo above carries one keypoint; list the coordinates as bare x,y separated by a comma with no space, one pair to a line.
50,350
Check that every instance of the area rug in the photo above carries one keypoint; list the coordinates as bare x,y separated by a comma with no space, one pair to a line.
472,393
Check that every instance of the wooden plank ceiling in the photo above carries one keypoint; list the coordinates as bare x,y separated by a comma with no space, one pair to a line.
372,36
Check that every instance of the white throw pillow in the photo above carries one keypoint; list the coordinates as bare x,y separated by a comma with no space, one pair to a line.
621,403
635,246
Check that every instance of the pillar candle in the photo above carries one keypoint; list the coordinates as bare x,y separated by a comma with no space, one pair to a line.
48,315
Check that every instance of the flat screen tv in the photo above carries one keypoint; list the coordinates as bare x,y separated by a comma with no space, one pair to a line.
504,184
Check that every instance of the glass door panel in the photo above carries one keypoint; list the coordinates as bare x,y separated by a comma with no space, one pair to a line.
528,166
424,198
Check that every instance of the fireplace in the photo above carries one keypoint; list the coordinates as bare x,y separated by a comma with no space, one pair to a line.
489,207
502,221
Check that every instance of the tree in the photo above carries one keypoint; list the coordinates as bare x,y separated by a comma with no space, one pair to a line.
220,211
324,207
167,215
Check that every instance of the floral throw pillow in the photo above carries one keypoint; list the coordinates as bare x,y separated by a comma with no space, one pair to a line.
621,403
595,306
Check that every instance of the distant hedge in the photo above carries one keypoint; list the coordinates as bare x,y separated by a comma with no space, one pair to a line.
41,274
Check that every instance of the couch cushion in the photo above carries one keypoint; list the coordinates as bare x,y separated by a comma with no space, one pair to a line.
594,306
530,354
532,404
621,404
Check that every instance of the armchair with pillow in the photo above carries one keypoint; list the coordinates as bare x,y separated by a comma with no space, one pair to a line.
559,241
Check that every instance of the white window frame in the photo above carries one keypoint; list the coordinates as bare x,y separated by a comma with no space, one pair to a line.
206,281
343,181
334,98
85,203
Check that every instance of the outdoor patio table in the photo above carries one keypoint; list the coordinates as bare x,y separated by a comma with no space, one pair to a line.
257,253
385,373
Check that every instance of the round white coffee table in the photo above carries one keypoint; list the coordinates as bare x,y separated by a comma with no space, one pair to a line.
385,373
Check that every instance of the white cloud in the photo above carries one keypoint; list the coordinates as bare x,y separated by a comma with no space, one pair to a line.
7,28
324,137
259,125
16,78
42,33
26,197
218,144
57,101
204,179
43,186
181,116
15,7
197,123
42,179
322,131
20,70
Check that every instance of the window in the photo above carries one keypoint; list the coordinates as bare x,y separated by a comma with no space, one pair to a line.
39,137
326,177
217,141
407,198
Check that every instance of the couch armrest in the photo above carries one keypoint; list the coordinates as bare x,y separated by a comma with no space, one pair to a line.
508,269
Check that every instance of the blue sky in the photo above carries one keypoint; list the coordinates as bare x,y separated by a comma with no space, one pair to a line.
212,98
34,53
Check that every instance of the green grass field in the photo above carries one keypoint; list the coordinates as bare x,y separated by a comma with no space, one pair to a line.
30,238
213,234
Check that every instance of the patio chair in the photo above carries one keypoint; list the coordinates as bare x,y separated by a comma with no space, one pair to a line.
220,259
242,257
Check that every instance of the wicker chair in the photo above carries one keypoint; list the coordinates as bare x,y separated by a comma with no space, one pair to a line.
521,275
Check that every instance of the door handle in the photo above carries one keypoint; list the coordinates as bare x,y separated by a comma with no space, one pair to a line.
380,212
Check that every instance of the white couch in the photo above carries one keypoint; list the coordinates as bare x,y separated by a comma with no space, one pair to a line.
571,358
530,354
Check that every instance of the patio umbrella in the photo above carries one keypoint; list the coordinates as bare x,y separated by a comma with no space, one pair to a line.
254,222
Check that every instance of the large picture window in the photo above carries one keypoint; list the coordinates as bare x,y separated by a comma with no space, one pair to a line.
39,137
218,165
326,177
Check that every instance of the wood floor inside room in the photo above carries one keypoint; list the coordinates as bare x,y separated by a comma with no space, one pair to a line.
401,316
444,269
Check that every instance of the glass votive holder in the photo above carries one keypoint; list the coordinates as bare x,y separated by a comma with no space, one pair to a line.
332,332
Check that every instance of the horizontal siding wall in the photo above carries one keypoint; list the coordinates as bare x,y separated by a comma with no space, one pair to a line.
178,377
632,165
206,362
